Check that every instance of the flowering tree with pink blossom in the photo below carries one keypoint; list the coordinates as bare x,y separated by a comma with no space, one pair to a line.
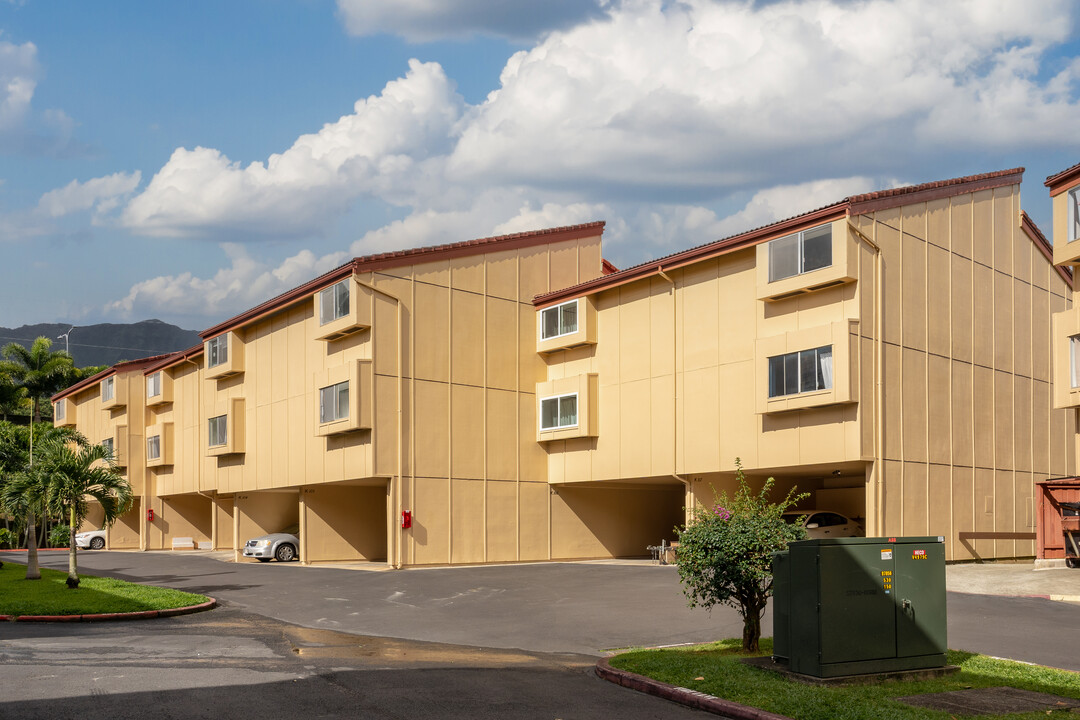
725,551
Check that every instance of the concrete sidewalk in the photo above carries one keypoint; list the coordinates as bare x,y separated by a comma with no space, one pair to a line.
1017,579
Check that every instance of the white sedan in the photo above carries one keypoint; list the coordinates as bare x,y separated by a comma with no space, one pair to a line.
825,523
90,540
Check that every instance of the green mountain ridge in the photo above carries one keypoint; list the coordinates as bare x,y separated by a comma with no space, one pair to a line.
107,343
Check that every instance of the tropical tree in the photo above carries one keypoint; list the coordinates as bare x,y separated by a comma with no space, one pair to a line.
725,552
75,472
12,396
38,370
22,487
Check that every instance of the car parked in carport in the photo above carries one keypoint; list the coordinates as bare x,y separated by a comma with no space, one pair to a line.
282,546
825,523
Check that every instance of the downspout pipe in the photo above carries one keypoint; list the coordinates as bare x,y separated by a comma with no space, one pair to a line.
879,381
687,487
396,480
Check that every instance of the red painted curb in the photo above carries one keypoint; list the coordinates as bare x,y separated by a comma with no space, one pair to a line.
100,617
681,695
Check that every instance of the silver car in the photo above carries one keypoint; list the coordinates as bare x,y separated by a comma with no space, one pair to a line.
824,523
282,545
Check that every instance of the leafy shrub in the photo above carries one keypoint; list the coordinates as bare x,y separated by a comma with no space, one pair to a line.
59,536
725,552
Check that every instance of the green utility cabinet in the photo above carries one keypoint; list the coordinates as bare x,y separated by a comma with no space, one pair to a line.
850,606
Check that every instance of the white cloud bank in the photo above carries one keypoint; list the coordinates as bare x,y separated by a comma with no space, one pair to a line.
652,118
103,194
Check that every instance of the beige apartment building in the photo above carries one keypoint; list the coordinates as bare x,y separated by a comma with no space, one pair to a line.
517,399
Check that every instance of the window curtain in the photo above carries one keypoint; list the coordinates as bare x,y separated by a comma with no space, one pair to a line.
825,366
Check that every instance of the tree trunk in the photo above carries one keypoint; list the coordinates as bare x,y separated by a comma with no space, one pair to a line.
33,572
751,632
73,563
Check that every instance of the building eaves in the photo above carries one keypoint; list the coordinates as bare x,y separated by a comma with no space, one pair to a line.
124,366
382,261
852,205
174,359
925,192
1040,241
1058,181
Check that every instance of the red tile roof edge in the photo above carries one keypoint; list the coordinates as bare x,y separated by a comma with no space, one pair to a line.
1039,240
175,359
397,258
1057,180
852,205
98,377
884,199
607,268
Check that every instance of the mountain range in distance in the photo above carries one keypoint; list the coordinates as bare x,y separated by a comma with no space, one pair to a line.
106,343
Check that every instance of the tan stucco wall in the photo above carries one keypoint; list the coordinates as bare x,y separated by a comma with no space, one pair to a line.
468,369
969,424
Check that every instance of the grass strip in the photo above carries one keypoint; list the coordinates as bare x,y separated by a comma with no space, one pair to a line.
51,596
725,677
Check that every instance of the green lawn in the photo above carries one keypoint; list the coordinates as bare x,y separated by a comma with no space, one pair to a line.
50,596
726,677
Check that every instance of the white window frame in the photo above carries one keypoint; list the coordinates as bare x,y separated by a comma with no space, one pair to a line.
558,412
800,242
108,389
59,410
827,382
220,422
558,310
336,412
1074,361
110,445
153,385
1073,201
336,292
153,447
217,351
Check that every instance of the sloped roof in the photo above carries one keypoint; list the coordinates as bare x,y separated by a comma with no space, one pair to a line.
852,205
125,366
399,258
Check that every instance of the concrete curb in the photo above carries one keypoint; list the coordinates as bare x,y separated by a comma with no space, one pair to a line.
681,695
105,617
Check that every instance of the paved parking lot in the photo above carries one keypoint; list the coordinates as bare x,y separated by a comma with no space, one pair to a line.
502,641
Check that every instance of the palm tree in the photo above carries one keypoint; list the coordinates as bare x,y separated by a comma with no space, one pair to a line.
22,487
75,472
39,370
12,396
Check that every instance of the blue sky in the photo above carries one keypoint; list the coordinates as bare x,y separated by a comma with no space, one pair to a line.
186,161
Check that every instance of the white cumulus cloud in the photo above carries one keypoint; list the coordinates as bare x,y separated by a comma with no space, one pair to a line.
246,282
383,148
103,194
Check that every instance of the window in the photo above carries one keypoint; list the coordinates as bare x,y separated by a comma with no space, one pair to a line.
559,320
800,372
218,431
153,448
559,412
1074,215
108,389
153,385
59,410
1074,360
334,402
108,443
800,253
217,351
334,302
